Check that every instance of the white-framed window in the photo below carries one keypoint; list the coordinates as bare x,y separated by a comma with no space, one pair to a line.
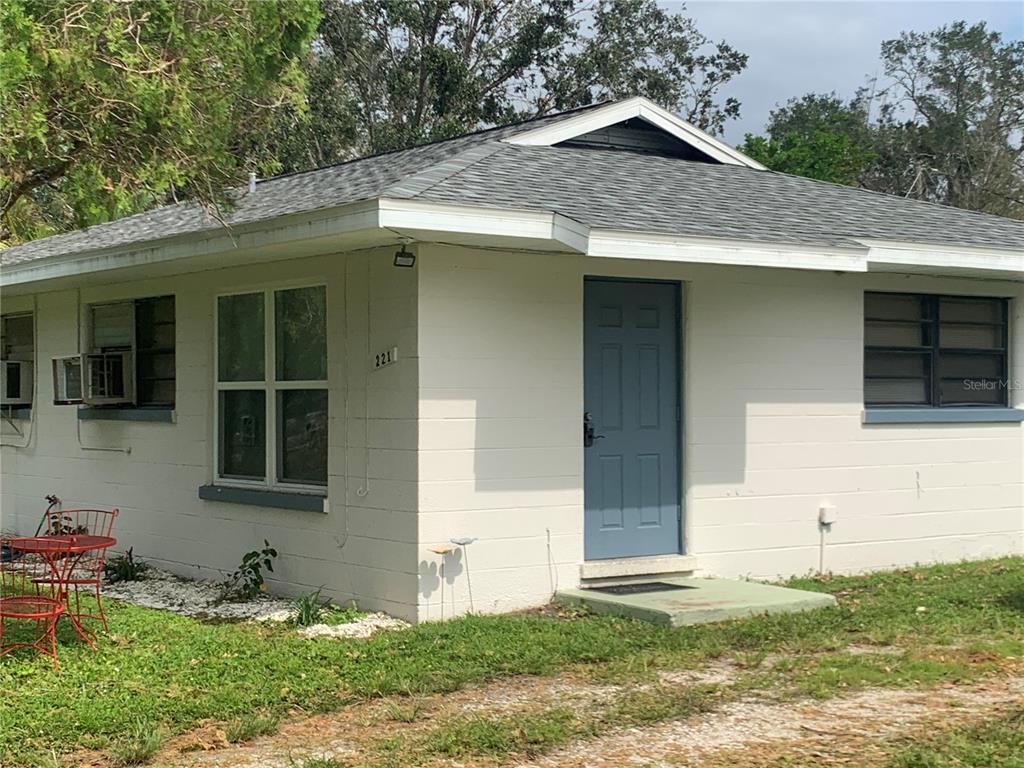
17,353
271,382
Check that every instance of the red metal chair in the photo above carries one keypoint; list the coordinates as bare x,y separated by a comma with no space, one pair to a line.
24,597
88,570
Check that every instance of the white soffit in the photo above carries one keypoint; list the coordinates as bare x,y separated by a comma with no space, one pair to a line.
641,108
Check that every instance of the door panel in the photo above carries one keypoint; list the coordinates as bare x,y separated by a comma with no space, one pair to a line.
631,396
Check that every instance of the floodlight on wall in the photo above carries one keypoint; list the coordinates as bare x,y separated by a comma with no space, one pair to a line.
403,258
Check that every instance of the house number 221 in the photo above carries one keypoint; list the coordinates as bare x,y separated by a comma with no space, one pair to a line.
387,357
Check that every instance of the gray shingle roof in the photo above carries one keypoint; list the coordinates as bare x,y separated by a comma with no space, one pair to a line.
600,188
631,191
350,182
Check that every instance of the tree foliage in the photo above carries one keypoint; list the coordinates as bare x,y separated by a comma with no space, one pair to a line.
818,136
108,106
387,74
946,124
634,47
953,128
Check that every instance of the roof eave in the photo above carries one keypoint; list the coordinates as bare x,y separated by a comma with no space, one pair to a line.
386,220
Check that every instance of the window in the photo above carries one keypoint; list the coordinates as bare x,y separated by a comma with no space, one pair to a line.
935,351
145,328
17,351
272,387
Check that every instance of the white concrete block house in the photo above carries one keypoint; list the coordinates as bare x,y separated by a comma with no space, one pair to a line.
623,349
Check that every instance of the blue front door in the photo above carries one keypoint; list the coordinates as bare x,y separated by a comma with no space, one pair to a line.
631,421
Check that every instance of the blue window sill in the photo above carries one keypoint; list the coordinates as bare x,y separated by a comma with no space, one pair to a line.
943,416
17,411
165,415
255,497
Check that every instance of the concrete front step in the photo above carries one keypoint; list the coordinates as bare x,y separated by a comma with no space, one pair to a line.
697,601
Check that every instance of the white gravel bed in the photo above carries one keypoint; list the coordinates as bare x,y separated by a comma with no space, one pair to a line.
201,599
362,627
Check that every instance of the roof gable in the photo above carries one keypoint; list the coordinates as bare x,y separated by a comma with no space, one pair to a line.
573,129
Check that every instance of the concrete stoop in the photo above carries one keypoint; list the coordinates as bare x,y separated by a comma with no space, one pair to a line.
678,602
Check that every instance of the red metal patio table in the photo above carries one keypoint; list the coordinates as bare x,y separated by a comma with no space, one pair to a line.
55,549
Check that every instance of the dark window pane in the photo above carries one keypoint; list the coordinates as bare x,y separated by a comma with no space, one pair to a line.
154,340
897,364
243,434
971,337
893,306
959,365
156,365
17,341
240,337
156,392
896,392
13,381
972,310
302,436
888,334
973,392
300,322
154,335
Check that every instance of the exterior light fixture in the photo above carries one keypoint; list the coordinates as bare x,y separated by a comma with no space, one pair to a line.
403,258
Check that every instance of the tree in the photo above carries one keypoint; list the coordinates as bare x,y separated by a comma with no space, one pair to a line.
947,125
817,136
389,74
952,130
634,47
109,107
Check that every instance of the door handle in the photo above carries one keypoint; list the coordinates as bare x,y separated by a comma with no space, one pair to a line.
589,438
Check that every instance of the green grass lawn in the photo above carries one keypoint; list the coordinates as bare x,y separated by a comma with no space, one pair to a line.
996,743
161,671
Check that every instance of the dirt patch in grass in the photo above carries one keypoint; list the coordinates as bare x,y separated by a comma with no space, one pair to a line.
355,733
751,733
740,733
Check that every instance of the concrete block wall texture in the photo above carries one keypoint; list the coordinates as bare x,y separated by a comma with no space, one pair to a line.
773,402
475,432
363,547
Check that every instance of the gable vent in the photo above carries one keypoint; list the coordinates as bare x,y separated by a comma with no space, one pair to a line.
637,135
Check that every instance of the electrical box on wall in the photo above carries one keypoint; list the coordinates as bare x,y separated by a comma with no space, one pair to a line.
827,514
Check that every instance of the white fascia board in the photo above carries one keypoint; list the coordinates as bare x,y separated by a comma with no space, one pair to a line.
618,244
337,221
888,255
641,108
422,216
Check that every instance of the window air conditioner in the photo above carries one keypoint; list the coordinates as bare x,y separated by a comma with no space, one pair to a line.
15,382
67,380
108,378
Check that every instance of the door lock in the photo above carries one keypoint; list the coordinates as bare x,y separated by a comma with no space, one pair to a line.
589,438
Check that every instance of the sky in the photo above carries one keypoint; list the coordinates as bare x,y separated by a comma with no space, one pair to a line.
823,46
